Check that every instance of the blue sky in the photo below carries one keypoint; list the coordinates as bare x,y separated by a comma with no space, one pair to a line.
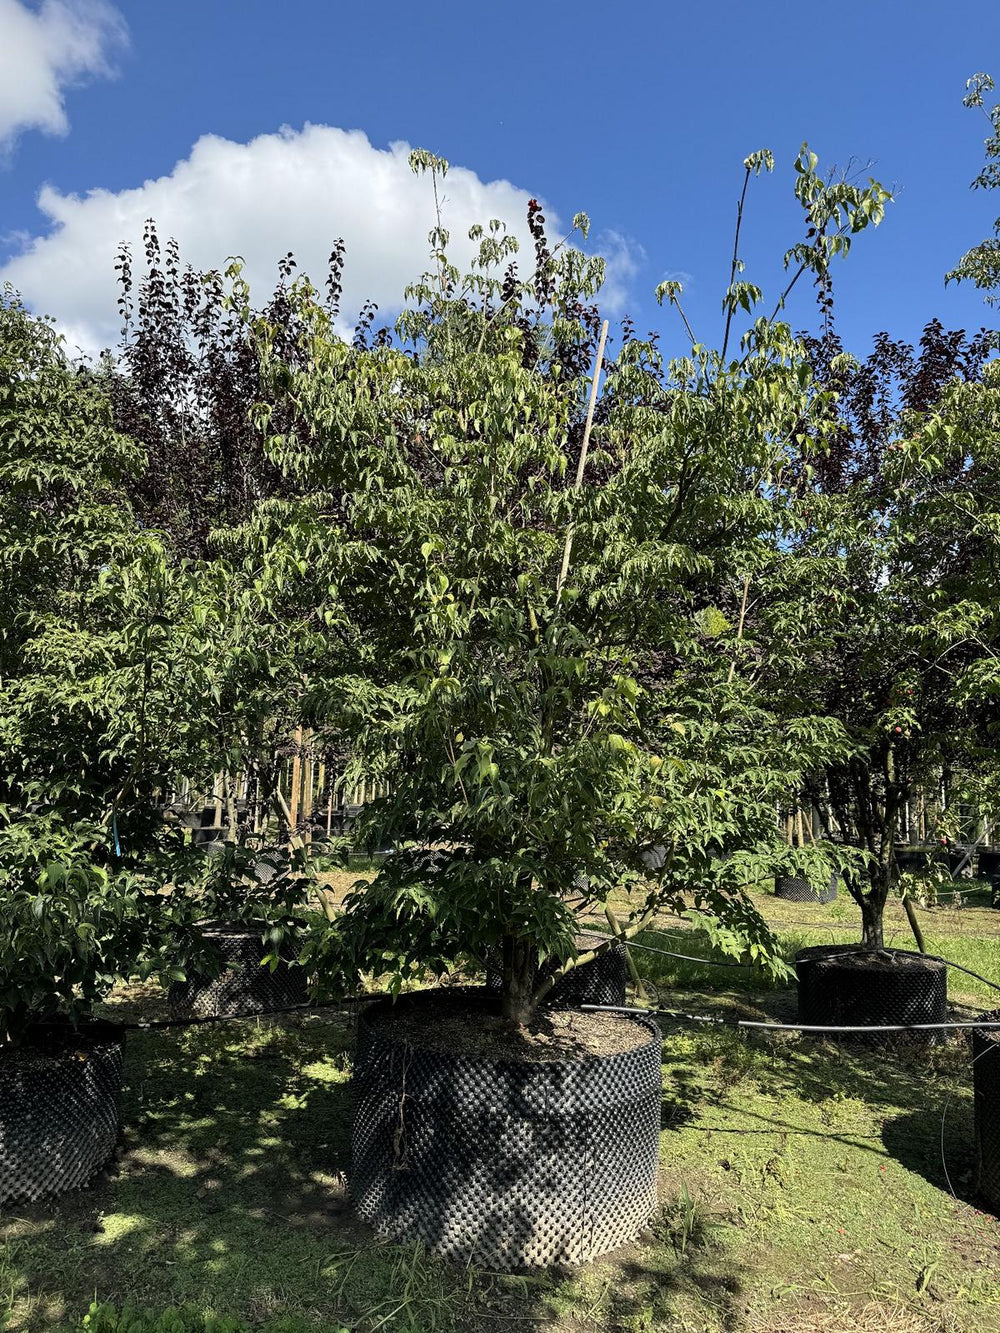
640,114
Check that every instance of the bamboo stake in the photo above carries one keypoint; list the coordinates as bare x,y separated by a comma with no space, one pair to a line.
307,787
567,549
296,784
739,631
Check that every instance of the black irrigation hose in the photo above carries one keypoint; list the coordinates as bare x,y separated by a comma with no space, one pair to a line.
841,953
161,1023
969,970
688,957
146,1025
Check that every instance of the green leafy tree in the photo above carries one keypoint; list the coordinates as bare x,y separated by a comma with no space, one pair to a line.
544,652
981,264
110,662
79,584
902,538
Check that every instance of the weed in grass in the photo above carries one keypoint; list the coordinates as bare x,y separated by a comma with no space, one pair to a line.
681,1223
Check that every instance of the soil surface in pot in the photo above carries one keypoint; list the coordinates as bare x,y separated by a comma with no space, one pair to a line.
456,1025
870,959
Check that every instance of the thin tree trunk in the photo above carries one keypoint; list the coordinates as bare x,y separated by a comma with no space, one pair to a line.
871,924
518,980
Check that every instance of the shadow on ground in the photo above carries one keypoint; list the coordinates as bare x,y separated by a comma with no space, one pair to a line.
229,1194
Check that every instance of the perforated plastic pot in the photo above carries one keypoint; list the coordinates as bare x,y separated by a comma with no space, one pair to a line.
840,984
794,889
653,858
59,1110
244,986
506,1164
601,981
986,1105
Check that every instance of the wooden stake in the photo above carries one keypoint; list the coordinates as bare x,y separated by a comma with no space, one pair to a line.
307,786
567,549
296,785
739,631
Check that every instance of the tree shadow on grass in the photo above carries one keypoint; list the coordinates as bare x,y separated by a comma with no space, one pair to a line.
894,1073
228,1190
937,1145
229,1194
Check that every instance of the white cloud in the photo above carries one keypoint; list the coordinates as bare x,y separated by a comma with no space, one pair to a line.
43,50
624,258
295,190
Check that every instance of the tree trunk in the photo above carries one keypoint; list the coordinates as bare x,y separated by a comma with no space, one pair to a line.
518,980
871,925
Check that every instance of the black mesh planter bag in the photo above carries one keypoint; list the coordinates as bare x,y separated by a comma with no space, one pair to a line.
59,1110
243,986
986,1092
989,865
503,1163
794,889
917,860
841,984
601,981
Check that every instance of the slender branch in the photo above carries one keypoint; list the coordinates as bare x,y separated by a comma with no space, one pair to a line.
281,805
684,318
619,937
739,630
583,454
735,261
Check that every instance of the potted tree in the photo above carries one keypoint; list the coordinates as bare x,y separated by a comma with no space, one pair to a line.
531,651
84,741
896,518
70,928
235,944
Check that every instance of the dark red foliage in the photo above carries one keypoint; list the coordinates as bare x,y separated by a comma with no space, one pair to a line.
185,380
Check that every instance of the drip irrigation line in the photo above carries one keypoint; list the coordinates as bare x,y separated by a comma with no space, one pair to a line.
139,1025
969,970
989,1024
146,1025
666,953
688,957
820,958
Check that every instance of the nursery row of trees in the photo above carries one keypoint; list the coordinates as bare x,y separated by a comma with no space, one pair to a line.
579,607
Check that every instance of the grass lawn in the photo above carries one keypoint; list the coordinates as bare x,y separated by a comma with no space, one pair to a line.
802,1184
